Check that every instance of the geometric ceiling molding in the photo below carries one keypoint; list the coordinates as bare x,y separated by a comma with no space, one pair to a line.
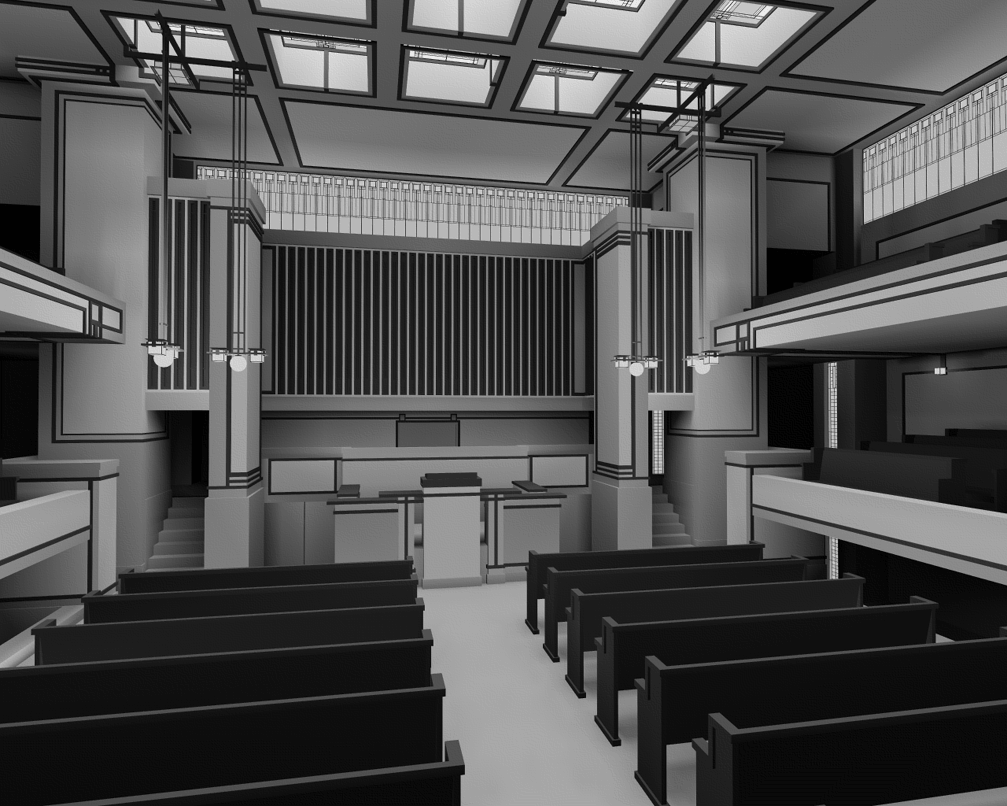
625,27
39,32
607,165
817,122
919,45
209,114
744,35
388,141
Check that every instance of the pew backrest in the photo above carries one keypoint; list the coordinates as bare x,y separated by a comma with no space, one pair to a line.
80,643
912,476
215,578
979,465
232,601
61,691
110,755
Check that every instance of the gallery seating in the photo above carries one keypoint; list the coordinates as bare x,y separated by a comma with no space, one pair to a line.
582,560
230,601
622,648
81,643
674,701
210,578
890,473
587,609
559,584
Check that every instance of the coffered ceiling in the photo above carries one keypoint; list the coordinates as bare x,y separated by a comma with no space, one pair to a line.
524,92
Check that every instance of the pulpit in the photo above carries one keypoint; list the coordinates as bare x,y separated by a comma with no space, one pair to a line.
451,552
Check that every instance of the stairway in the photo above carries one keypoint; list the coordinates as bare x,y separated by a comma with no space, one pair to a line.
668,530
180,543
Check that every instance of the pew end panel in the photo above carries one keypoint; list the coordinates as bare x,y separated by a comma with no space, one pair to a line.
533,584
651,754
715,785
607,716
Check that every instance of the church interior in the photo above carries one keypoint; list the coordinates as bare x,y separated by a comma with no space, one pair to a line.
362,362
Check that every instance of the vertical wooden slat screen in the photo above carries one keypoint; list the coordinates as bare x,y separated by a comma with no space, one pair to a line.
670,293
379,322
188,292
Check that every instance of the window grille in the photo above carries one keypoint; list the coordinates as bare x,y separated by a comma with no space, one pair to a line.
832,543
657,443
342,204
959,144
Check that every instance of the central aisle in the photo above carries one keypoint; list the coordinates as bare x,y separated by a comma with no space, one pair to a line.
525,736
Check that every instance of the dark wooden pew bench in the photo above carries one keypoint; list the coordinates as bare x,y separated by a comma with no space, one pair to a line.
909,475
625,558
623,647
60,691
674,702
214,578
560,584
81,643
587,609
99,609
872,759
127,755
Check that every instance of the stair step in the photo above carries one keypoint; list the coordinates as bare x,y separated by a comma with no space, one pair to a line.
665,517
173,524
668,528
170,562
661,541
185,512
188,501
661,505
178,547
174,535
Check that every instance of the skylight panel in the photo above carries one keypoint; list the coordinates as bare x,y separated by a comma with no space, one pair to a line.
195,41
564,89
358,10
493,19
451,76
610,25
322,63
673,92
743,34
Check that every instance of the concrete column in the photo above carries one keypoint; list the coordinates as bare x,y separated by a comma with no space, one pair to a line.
730,401
620,485
99,145
234,507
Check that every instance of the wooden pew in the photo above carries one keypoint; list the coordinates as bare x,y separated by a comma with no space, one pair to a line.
560,584
61,691
100,609
211,578
434,784
587,609
622,648
872,759
128,755
83,643
625,558
674,702
912,476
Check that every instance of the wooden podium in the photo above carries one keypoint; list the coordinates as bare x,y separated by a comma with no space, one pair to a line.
451,551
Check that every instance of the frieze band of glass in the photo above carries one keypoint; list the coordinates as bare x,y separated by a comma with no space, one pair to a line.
340,204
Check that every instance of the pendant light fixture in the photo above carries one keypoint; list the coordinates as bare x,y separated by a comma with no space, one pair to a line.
161,346
638,362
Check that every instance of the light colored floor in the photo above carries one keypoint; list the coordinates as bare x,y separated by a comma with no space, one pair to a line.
525,736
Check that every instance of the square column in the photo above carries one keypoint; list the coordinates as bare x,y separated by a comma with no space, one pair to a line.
234,508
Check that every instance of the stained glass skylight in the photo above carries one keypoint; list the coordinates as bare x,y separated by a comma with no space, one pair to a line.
322,63
496,19
610,25
565,89
742,34
450,76
664,91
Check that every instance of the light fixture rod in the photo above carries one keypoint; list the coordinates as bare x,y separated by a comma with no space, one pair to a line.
701,217
162,307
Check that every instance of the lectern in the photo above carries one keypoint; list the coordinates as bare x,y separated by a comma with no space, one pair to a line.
451,552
